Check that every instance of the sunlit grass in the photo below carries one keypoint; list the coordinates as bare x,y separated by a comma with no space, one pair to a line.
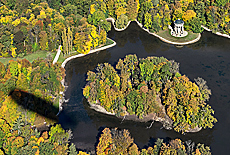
166,35
31,57
45,54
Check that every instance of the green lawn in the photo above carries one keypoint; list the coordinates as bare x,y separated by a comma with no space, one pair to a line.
44,54
166,34
62,58
56,105
30,57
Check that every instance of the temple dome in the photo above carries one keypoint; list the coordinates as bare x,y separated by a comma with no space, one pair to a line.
178,21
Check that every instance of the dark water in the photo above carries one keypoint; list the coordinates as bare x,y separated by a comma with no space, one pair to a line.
208,58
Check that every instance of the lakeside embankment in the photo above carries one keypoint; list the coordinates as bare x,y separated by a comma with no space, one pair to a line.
154,34
168,41
113,21
96,107
165,121
217,33
62,99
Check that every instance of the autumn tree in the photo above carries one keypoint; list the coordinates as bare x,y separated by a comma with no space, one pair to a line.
195,25
132,9
104,141
102,37
189,14
82,42
147,20
137,88
122,21
111,5
43,40
120,7
67,39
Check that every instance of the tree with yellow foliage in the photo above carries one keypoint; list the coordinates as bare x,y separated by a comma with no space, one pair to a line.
95,37
120,7
102,37
104,142
189,14
82,42
43,40
67,40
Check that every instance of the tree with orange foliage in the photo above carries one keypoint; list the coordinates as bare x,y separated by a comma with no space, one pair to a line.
104,142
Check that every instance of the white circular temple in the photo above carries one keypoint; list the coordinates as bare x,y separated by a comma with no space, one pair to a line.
178,30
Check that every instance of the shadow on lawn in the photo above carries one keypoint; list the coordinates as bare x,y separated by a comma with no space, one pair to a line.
45,111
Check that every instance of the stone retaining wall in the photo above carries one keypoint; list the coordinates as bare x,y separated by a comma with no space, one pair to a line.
167,41
113,21
91,51
217,33
62,100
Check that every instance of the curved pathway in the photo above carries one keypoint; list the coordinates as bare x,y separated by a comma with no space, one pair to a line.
57,55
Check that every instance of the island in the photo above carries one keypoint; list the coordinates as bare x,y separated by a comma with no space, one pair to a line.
31,89
148,89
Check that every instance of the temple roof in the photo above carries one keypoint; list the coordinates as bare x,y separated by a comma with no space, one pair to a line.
178,21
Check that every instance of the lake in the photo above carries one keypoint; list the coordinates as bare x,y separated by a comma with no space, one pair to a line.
208,58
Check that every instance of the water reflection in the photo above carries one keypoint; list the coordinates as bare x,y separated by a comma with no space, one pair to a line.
207,58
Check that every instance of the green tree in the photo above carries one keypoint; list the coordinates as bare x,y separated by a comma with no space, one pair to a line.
195,25
58,134
70,9
47,148
72,149
221,3
122,21
98,19
147,20
2,70
111,8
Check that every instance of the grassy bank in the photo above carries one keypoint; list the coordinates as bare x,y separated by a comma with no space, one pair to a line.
31,57
166,35
62,58
44,54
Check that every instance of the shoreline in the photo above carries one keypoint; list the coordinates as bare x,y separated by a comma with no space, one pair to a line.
91,51
62,99
168,41
113,21
98,108
154,34
217,33
166,122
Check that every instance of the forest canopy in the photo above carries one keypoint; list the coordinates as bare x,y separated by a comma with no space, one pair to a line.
29,99
141,86
27,26
115,141
135,86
